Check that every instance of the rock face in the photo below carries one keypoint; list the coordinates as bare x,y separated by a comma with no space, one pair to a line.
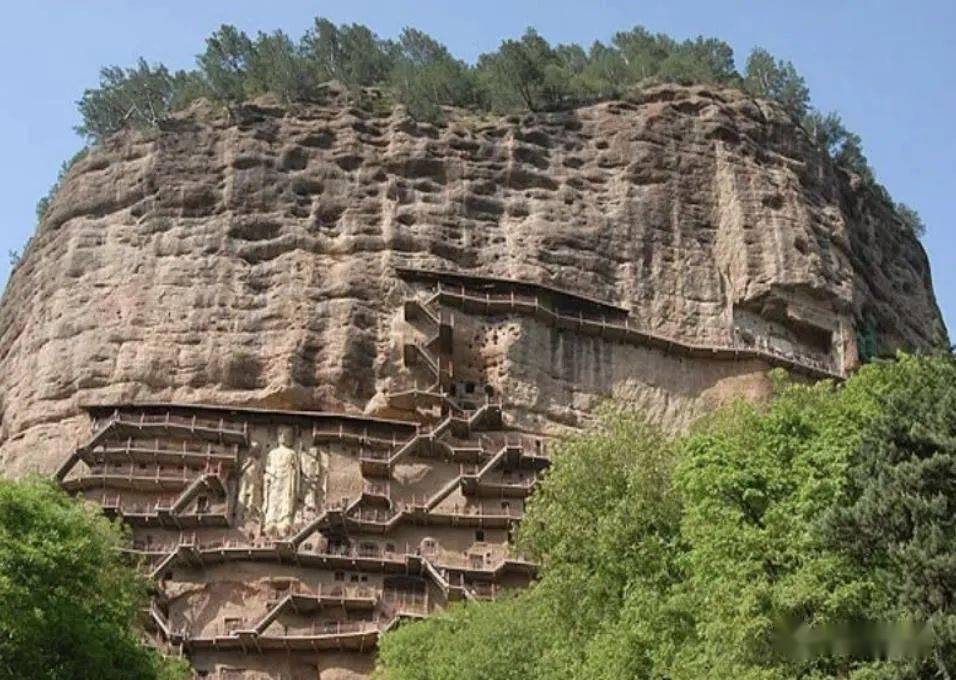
252,262
696,236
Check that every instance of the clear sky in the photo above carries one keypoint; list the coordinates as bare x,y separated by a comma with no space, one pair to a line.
888,67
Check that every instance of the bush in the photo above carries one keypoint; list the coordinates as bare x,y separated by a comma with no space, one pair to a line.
70,605
139,97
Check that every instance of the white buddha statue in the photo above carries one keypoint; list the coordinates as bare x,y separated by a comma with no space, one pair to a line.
280,486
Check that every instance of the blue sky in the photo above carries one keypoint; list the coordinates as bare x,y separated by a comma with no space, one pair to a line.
889,68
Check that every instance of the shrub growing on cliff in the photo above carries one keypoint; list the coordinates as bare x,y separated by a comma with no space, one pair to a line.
226,63
695,557
350,53
137,97
527,73
69,604
425,76
911,219
522,74
276,65
772,79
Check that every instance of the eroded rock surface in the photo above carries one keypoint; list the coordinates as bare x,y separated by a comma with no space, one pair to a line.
251,262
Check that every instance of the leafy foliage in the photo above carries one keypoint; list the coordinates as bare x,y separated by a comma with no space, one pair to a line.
136,97
225,65
604,557
526,73
692,557
69,603
896,515
275,65
351,54
504,635
778,80
522,74
754,485
911,219
425,76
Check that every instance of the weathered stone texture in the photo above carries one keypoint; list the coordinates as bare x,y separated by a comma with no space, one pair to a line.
252,262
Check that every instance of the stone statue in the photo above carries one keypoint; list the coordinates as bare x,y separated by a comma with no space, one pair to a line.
312,486
250,485
280,486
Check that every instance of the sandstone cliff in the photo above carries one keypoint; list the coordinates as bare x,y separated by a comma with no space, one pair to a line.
252,261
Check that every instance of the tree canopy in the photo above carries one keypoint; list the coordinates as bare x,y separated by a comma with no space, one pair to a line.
70,604
807,538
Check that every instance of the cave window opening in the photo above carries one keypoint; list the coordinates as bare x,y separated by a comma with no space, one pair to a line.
480,535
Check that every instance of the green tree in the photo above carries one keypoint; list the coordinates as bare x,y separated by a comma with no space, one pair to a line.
606,74
851,157
911,219
827,131
755,484
187,87
503,642
896,515
843,146
425,76
522,74
702,60
277,65
570,76
604,527
70,604
778,80
642,52
137,97
351,54
224,66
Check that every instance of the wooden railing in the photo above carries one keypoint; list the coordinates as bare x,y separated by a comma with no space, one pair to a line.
632,333
220,428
